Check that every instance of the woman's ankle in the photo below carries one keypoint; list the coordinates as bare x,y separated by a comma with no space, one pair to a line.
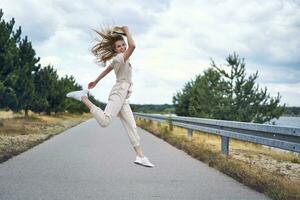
84,98
87,102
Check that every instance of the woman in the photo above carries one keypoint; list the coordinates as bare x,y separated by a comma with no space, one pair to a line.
113,47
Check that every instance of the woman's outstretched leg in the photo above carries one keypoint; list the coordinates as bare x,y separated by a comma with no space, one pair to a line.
103,118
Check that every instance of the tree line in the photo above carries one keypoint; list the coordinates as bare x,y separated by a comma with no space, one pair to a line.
153,108
227,93
25,84
292,111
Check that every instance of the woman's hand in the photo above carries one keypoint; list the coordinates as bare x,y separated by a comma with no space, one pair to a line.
92,84
125,29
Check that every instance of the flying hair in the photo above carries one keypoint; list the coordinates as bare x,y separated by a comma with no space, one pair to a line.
104,49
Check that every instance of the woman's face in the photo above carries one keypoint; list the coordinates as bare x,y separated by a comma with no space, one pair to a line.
120,46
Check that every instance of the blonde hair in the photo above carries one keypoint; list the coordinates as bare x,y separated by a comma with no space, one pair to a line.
104,49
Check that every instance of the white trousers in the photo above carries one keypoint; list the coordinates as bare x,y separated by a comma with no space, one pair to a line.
118,105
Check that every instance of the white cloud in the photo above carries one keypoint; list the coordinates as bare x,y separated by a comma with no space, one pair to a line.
290,93
51,60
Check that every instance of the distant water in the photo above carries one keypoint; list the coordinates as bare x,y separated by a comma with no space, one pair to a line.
288,121
282,121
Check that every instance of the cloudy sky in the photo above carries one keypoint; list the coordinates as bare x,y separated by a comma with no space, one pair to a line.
175,40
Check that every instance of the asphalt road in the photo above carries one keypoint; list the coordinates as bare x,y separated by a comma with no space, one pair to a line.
91,162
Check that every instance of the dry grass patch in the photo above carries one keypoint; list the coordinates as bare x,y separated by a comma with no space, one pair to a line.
18,134
283,162
241,164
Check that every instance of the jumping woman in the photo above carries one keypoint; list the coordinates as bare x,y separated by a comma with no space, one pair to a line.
112,47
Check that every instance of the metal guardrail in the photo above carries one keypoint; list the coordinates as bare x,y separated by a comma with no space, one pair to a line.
282,137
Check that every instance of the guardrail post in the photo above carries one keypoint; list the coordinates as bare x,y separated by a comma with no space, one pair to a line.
169,121
225,145
190,133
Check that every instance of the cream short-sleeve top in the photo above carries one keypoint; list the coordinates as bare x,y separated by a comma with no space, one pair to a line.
123,70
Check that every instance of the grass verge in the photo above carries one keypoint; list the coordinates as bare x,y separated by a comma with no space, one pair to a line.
18,134
206,148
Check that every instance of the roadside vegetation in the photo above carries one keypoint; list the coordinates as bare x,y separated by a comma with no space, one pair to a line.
19,133
274,173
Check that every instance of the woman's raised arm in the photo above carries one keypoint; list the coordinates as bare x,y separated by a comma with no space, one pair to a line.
131,44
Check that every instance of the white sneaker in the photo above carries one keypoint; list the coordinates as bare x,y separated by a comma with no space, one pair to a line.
77,94
143,161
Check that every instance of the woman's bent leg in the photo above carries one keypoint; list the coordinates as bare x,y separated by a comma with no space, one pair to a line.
101,117
112,108
128,121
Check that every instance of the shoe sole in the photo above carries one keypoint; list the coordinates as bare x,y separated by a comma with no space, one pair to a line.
143,165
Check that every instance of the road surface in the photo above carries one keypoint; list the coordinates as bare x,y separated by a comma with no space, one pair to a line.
91,162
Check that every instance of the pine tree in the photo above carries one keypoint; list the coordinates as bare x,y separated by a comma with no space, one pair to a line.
182,99
42,85
8,63
27,66
248,102
232,95
49,91
70,105
208,97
